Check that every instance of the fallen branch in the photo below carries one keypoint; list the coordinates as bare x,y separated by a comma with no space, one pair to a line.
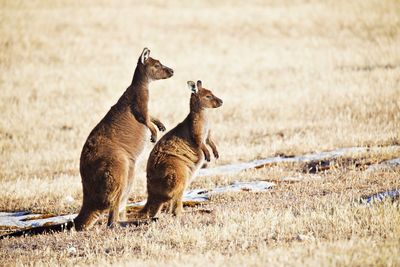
238,167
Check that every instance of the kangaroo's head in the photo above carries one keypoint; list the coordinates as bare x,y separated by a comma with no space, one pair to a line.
202,98
152,68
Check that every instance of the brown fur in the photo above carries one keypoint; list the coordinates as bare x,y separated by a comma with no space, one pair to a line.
110,153
179,154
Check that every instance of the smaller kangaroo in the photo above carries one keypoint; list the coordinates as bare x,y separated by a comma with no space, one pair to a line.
178,155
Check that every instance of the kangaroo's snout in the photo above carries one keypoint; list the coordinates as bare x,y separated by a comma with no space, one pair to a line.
170,71
219,102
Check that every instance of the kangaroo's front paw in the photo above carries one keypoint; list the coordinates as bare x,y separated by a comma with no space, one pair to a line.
207,157
161,127
153,138
216,155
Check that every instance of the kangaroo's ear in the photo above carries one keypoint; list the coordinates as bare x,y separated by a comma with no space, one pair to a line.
145,55
192,86
199,84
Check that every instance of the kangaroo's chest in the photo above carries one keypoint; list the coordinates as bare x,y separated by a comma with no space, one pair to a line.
200,133
134,137
204,132
200,154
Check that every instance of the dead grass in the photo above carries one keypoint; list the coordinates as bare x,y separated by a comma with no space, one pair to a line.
319,221
295,77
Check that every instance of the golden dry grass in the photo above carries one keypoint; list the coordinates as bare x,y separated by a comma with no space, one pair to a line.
295,77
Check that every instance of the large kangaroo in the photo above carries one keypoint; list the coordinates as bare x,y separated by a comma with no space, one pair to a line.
175,159
110,153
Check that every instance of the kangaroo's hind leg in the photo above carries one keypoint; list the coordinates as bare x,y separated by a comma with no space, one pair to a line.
92,206
117,180
113,215
177,205
87,217
180,178
126,192
152,207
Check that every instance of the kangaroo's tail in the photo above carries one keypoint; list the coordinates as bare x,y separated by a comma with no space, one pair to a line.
41,230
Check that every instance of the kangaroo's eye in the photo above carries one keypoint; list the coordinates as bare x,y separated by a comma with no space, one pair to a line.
208,97
158,65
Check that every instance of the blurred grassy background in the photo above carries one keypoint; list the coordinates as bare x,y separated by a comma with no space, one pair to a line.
295,77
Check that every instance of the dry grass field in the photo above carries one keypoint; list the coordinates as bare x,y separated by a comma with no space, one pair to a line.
295,76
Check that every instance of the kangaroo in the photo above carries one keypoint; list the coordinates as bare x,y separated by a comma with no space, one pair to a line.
108,157
111,150
178,155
